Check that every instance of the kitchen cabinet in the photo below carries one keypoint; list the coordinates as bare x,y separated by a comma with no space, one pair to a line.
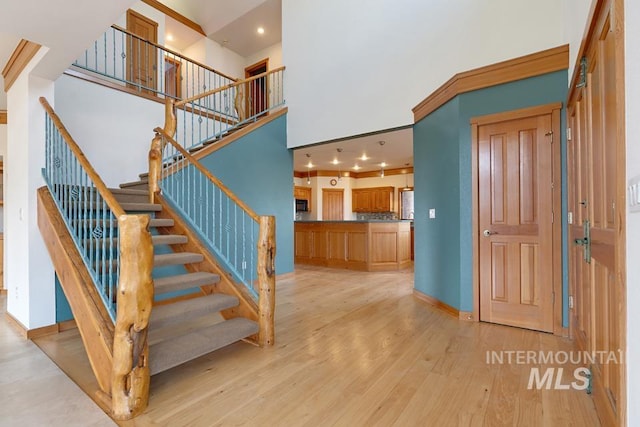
374,199
303,193
354,245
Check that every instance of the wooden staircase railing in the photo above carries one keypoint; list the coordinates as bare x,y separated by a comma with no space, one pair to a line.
237,104
120,269
242,240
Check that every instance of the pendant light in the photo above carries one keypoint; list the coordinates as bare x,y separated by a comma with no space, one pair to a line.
309,166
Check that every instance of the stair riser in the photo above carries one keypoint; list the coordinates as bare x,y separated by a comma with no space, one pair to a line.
132,198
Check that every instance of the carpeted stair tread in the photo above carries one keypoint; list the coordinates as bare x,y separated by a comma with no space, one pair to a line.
170,353
124,195
169,239
141,207
184,311
140,184
162,239
184,281
176,258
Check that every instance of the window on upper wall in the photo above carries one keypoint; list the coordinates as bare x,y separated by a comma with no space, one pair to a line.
406,203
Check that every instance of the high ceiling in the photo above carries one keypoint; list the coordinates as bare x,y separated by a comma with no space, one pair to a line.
234,24
395,152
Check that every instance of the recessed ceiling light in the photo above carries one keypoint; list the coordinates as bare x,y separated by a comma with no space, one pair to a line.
260,30
334,162
356,167
383,164
364,157
309,165
169,37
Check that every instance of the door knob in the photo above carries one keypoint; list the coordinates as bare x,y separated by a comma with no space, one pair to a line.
488,233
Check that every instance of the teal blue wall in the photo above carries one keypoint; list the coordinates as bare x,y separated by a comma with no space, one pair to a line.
450,188
437,185
258,168
63,310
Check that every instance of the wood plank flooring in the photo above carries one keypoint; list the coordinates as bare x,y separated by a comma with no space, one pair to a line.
354,349
34,392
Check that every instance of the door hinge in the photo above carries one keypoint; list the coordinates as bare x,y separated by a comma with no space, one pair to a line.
553,297
568,134
553,217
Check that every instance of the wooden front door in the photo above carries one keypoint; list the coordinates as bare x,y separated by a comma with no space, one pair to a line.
332,204
515,219
142,57
596,202
257,99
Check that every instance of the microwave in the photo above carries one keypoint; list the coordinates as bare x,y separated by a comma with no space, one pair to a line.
302,205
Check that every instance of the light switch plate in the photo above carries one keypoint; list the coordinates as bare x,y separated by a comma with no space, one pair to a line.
432,213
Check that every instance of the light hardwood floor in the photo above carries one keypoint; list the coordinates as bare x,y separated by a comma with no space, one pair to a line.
34,391
355,349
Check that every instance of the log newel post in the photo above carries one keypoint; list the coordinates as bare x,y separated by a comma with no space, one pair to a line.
170,121
130,372
155,166
266,280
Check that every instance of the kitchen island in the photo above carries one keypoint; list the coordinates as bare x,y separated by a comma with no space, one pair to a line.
372,245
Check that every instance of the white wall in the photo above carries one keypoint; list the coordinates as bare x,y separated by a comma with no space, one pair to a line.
149,12
273,52
632,65
217,57
367,68
113,128
3,155
28,270
576,13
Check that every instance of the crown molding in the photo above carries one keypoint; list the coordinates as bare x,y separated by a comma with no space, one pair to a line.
350,174
535,64
18,61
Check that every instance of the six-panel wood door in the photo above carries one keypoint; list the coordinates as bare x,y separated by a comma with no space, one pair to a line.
594,158
515,196
142,58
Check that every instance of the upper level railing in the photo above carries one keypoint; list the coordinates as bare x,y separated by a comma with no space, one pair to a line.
124,58
205,118
117,251
242,241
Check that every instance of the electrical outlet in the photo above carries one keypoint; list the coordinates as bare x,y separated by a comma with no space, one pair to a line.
570,218
432,213
570,301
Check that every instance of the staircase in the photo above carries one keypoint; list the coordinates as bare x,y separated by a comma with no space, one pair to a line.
200,314
149,287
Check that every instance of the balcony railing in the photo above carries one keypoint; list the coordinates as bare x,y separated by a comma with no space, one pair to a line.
123,58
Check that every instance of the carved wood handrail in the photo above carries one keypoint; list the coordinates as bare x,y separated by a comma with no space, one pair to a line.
130,376
229,86
173,52
82,159
155,168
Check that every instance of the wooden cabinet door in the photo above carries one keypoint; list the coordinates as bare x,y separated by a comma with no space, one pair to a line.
361,200
383,199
